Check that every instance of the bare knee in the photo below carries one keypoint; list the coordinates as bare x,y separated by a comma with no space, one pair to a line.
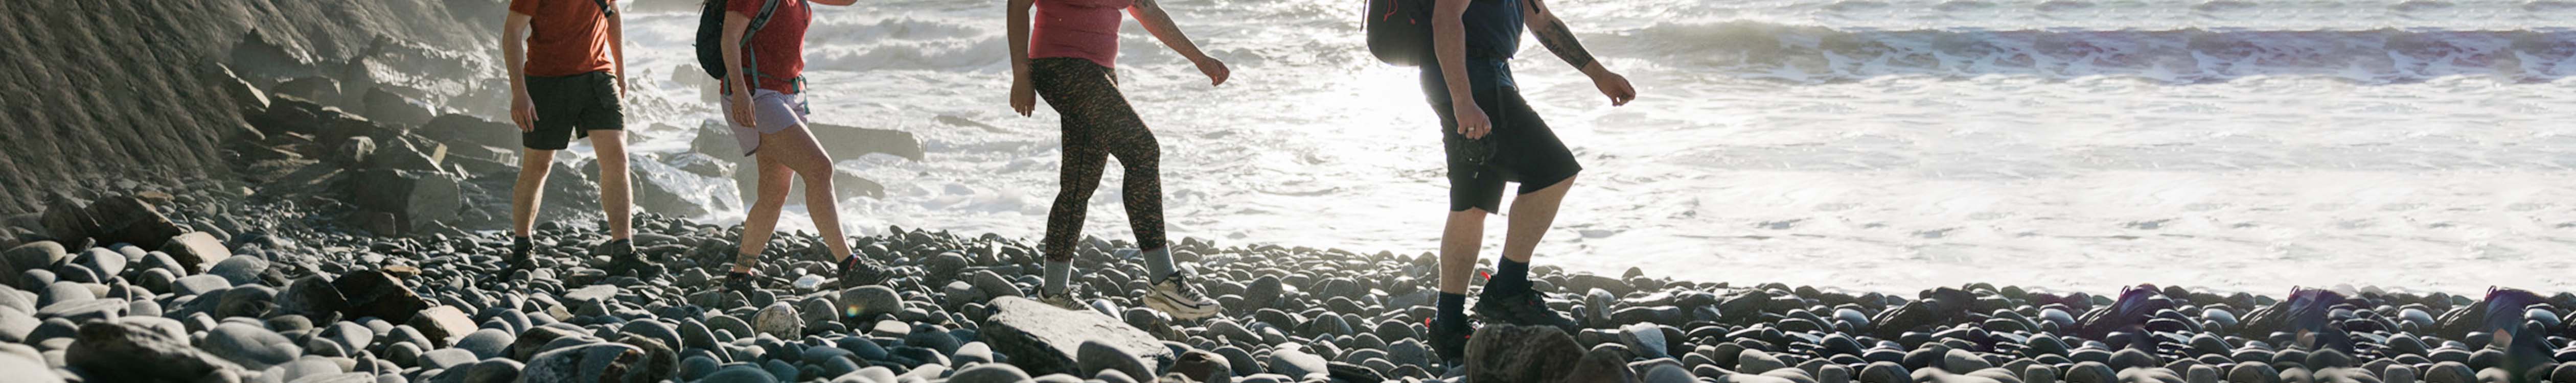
815,180
772,183
771,194
536,161
1473,215
608,140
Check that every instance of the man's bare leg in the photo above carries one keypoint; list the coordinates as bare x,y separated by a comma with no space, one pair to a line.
615,196
1531,216
1458,247
526,194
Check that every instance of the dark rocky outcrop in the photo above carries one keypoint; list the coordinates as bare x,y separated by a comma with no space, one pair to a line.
145,84
1529,354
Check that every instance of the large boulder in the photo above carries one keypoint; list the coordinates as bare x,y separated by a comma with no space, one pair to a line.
443,325
411,200
374,293
1521,354
196,251
390,108
288,114
1046,340
246,97
407,153
335,130
121,219
313,297
118,351
663,188
65,220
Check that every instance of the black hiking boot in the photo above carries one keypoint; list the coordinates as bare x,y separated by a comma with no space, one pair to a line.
856,270
741,282
622,259
1449,341
519,257
1522,307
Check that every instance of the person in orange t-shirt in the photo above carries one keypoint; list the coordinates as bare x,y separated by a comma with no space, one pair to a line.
566,79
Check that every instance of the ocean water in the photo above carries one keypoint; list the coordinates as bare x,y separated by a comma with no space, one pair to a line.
1874,145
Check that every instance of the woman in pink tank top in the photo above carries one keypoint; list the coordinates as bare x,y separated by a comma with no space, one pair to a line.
1067,58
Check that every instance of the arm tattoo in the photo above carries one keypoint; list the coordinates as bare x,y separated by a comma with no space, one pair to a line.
1553,35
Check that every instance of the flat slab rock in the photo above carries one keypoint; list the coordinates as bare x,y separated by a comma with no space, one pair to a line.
1045,339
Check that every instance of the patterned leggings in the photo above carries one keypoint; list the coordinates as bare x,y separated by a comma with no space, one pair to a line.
1098,124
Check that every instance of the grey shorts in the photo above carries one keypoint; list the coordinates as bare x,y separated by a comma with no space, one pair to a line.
776,111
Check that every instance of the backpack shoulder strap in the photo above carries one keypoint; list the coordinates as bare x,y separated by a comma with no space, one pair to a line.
605,10
767,8
751,62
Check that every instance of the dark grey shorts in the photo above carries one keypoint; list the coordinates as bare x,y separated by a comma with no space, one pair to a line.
570,106
1521,149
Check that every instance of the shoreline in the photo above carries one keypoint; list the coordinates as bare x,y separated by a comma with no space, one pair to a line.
1291,312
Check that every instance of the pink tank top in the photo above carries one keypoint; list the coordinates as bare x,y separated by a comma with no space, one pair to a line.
1084,29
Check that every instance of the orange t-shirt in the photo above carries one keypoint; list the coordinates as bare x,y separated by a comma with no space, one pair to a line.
565,37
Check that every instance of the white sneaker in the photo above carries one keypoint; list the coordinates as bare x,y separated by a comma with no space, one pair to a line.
1064,300
1177,296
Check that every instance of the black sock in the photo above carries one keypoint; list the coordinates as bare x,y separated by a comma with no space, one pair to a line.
1509,276
1453,310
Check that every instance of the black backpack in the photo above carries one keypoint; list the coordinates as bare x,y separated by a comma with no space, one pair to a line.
711,32
1399,31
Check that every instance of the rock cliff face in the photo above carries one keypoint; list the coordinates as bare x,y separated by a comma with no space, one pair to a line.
146,89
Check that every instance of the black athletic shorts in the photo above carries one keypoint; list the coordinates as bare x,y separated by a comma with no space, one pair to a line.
571,106
1520,149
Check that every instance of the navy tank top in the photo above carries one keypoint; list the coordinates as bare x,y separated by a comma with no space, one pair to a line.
1493,35
1493,29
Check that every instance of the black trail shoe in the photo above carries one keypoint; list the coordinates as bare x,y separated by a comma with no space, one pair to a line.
1449,341
741,282
858,271
622,259
1524,307
519,257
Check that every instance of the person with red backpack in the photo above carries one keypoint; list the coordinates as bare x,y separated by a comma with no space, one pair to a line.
1491,137
566,79
762,50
